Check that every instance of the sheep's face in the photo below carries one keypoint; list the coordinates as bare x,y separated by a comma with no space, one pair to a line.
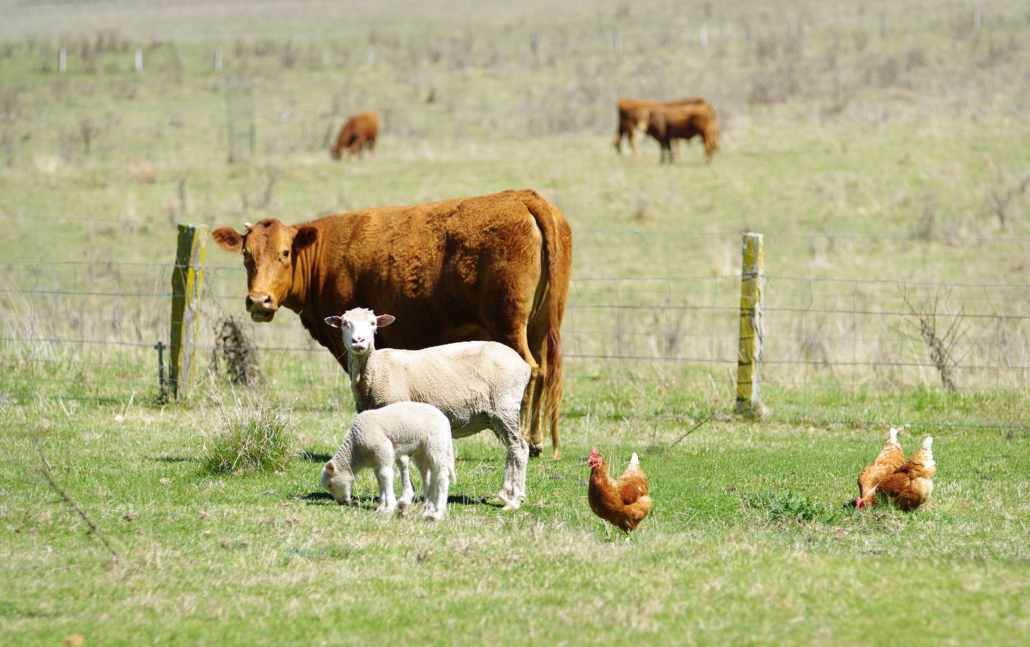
338,481
359,327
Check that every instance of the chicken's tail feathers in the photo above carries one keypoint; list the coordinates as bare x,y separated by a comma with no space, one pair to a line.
894,436
634,460
927,450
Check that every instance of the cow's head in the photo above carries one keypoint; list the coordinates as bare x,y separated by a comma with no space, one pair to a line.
269,251
336,151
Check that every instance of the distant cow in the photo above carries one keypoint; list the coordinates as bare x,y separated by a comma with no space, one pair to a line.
359,132
684,122
628,116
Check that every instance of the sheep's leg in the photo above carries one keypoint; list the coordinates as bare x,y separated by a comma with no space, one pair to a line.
407,489
387,500
513,487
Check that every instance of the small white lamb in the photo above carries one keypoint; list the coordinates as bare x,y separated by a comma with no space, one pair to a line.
379,437
477,384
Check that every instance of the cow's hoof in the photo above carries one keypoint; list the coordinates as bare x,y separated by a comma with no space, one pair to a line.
535,450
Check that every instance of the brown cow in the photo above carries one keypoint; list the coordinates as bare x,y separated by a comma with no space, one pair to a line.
492,268
684,122
628,118
359,132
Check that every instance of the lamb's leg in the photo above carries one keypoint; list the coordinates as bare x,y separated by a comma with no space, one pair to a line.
387,500
407,489
441,484
427,485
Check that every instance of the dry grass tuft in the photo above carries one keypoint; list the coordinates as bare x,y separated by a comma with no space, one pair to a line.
251,438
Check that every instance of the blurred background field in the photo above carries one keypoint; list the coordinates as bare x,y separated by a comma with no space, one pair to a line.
881,148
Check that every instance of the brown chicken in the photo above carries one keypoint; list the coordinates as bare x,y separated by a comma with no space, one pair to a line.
623,503
891,458
910,485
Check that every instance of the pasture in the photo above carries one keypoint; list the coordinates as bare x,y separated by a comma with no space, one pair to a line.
882,151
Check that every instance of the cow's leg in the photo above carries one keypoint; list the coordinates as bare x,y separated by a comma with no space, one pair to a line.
632,143
518,329
617,142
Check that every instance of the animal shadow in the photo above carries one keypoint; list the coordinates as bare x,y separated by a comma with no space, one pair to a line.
314,457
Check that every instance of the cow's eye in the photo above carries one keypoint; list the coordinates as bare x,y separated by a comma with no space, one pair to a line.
286,254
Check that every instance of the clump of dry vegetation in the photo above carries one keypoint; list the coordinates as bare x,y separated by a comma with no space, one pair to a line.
250,438
236,351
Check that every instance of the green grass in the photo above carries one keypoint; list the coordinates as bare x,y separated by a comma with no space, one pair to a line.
874,165
748,542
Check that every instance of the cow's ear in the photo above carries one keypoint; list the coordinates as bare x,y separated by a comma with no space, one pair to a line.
385,320
304,237
334,321
228,239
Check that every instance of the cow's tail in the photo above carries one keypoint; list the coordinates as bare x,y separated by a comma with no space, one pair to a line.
558,263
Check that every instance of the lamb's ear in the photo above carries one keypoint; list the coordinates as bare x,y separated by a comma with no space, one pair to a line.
385,320
329,467
334,321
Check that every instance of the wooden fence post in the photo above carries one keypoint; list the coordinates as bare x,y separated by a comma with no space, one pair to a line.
752,328
186,279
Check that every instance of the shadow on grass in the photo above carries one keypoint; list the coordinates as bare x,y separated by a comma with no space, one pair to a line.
176,459
370,503
315,457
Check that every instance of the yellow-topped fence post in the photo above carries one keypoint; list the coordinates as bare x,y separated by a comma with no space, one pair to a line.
186,279
752,328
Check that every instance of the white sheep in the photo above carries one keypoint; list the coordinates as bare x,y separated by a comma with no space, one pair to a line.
478,385
396,432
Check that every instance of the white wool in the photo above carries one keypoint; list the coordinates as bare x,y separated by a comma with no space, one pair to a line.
397,432
478,385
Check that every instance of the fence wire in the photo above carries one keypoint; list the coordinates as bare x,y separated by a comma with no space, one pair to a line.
89,328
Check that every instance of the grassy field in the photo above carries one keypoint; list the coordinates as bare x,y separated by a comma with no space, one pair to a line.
882,151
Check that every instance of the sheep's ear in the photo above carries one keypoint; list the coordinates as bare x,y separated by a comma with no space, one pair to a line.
334,321
385,320
329,467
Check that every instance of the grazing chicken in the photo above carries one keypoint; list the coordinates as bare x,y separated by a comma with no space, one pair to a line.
623,503
891,458
910,485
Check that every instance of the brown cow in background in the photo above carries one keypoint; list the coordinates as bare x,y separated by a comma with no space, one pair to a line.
359,132
490,268
684,122
628,116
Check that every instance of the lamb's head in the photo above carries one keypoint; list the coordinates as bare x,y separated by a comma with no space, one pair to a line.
338,481
359,327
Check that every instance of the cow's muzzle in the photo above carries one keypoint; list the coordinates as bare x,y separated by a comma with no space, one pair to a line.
262,307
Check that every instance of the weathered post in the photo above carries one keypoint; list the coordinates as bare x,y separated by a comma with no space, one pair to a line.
752,328
186,279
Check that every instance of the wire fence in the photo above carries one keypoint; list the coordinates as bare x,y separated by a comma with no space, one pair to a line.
88,329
